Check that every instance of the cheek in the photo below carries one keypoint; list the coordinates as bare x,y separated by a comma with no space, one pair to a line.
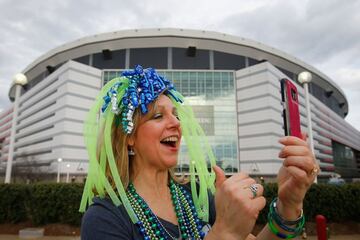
147,137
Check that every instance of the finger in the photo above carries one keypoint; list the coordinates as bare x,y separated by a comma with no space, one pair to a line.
295,151
220,176
259,203
291,140
304,136
239,177
254,194
300,175
305,163
250,237
244,183
237,186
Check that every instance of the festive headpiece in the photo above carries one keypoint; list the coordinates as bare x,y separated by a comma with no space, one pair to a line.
144,87
137,89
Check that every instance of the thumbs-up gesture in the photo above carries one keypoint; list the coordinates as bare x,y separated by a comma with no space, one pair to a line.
238,201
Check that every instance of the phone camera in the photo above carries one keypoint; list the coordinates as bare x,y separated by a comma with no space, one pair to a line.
293,95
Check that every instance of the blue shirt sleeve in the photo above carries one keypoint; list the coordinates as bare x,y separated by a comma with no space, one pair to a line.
103,220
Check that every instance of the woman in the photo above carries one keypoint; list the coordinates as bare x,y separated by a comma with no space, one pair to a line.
131,188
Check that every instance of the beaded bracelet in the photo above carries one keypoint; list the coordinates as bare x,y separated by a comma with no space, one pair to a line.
277,232
284,224
273,206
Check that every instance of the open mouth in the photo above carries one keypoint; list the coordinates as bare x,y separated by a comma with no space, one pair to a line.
170,141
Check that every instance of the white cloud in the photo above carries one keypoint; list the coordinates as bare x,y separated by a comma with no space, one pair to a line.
349,78
324,34
354,114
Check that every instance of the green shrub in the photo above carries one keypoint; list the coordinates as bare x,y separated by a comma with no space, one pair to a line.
69,197
59,203
270,192
12,203
337,203
51,203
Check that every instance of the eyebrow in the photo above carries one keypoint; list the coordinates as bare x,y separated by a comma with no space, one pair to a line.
157,107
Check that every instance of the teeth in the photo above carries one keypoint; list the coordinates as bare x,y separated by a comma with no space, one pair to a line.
170,139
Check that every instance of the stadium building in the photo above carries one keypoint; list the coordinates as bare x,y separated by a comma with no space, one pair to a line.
231,82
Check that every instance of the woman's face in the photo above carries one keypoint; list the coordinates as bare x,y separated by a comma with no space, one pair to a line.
157,139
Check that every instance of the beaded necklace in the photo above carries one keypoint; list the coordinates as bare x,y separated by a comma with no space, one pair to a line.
150,226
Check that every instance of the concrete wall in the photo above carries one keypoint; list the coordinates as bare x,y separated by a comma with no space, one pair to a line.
260,122
51,117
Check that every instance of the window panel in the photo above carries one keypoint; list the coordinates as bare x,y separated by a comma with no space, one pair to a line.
214,108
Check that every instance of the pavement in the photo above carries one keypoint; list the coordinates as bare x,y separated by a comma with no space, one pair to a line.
336,237
16,237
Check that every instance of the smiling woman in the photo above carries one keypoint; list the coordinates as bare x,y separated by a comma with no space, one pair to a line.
141,113
131,190
157,139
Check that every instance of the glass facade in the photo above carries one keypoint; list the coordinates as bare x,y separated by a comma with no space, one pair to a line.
288,73
84,59
252,61
344,160
327,98
116,60
181,59
146,57
212,96
227,61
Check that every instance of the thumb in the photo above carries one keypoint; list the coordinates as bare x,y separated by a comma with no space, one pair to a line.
304,136
220,176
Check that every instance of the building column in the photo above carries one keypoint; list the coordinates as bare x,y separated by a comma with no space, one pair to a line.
19,81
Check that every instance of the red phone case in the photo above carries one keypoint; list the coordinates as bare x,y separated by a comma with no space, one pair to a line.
291,112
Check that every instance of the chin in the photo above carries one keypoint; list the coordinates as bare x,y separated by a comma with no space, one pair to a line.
171,163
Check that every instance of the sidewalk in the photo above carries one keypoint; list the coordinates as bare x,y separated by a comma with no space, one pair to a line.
15,237
336,237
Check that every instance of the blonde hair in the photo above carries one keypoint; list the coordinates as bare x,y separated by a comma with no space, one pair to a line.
119,140
110,170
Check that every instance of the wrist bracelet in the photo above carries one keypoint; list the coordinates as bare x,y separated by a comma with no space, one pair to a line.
277,232
273,216
273,206
297,229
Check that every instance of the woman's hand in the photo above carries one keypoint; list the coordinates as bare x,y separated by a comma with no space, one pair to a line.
236,206
295,176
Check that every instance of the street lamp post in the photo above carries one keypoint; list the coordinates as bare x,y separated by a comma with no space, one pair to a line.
67,172
58,169
19,80
304,78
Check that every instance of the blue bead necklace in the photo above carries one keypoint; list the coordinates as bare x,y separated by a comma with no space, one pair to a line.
149,225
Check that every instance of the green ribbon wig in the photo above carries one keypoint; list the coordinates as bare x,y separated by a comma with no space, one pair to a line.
97,129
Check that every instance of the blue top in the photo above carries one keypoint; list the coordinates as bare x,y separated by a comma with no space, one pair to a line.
103,220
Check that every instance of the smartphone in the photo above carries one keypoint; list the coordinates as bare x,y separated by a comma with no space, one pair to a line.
291,114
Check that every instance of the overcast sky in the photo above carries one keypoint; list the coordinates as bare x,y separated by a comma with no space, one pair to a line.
323,33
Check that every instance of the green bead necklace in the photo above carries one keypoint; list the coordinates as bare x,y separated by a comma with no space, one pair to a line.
150,226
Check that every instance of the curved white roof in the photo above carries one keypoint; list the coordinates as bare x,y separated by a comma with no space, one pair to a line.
179,38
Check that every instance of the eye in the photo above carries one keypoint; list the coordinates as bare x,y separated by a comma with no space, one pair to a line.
157,116
175,113
177,116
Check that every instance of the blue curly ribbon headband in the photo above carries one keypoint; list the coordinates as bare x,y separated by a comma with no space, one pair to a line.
145,86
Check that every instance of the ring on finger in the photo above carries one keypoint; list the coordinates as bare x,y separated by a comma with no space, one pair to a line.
254,188
314,171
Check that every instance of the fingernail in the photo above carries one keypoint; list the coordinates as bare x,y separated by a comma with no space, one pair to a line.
281,140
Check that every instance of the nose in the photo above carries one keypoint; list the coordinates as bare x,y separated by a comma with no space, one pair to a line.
174,122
